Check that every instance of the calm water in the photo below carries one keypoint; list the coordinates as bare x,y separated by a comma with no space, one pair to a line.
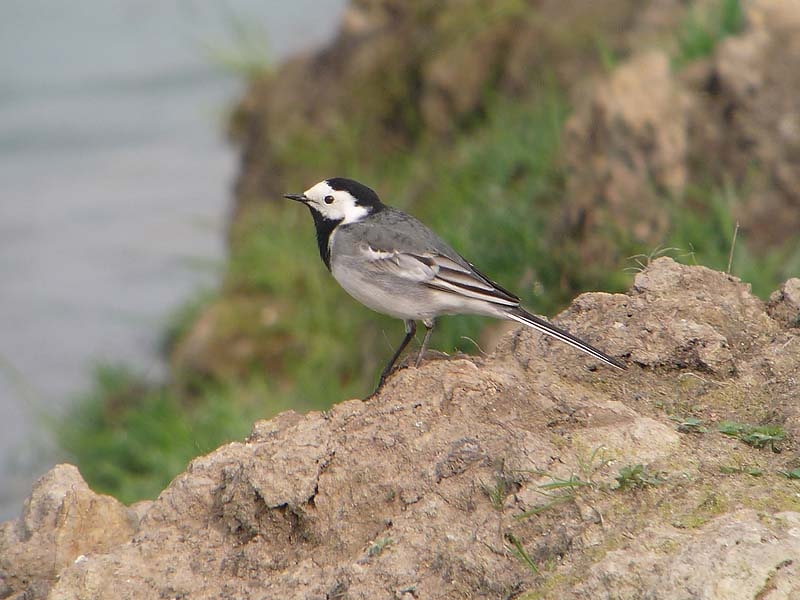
114,183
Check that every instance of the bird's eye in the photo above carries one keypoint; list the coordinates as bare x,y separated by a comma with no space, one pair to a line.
328,199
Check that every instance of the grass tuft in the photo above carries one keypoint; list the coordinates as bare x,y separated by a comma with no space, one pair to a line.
518,550
689,425
636,477
758,436
703,28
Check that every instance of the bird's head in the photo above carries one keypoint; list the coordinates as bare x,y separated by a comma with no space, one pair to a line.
340,200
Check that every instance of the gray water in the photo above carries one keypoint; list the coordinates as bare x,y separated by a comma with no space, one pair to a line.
115,180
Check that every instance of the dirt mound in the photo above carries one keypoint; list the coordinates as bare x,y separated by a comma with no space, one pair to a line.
533,469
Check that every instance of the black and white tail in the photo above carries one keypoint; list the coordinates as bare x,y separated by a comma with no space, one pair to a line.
520,315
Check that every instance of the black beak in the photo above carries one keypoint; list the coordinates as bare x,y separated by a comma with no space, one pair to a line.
299,197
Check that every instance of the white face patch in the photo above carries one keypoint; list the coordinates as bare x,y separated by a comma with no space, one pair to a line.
336,205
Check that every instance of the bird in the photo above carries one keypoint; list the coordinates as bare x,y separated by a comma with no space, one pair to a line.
395,265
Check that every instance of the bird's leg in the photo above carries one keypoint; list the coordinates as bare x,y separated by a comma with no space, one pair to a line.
411,329
429,327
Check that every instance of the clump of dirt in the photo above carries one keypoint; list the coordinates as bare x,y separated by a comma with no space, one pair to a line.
533,472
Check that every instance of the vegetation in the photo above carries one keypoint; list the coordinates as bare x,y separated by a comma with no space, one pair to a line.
245,51
378,546
518,550
636,476
689,425
758,436
704,27
490,191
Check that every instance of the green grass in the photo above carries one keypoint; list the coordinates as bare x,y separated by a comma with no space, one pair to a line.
559,490
517,549
741,470
378,546
704,27
758,436
689,425
703,231
636,477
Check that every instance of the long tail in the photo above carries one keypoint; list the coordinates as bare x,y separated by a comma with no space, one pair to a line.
520,315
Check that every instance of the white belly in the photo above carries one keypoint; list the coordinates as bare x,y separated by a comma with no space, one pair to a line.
403,301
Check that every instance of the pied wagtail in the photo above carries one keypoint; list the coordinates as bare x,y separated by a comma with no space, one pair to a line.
395,265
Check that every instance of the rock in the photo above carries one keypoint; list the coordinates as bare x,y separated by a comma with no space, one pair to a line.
625,437
676,317
739,556
726,322
784,303
62,521
460,474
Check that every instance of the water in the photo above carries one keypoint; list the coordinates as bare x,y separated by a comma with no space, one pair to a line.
115,180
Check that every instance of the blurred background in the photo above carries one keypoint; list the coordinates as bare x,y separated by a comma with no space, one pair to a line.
158,296
115,186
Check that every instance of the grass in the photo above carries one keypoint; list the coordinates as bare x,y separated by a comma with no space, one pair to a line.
378,546
704,231
689,425
559,490
758,436
498,492
518,550
741,470
636,477
703,28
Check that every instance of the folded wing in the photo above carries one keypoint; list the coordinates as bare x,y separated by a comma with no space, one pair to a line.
441,273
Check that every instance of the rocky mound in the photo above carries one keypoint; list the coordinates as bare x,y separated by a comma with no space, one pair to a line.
533,472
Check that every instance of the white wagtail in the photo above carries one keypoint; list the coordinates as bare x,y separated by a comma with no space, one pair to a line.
395,265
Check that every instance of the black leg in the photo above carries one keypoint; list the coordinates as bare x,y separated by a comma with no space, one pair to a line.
411,329
429,326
